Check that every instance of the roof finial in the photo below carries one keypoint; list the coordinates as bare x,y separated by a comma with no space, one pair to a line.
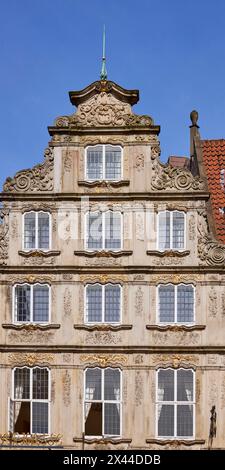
103,75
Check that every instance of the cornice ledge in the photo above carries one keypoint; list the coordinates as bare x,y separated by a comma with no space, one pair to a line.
37,253
104,183
101,440
30,326
175,442
103,253
105,327
168,253
175,327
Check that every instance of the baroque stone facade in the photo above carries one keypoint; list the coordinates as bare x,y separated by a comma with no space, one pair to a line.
139,344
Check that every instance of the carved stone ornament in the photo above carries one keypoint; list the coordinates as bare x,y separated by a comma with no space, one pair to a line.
104,360
175,359
168,177
39,178
30,439
99,337
102,110
67,301
210,251
66,380
30,359
4,236
139,385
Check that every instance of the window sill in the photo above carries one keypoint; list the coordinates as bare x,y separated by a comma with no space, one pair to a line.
31,326
102,440
103,253
175,327
104,183
102,327
168,253
38,253
176,442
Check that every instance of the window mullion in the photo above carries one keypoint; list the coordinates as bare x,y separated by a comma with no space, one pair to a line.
103,304
175,304
36,230
171,230
103,231
103,162
31,400
103,403
31,303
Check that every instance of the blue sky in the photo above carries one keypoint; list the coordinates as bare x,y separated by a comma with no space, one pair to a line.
173,51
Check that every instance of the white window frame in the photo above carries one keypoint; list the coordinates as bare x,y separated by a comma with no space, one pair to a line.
103,215
120,402
171,231
175,322
103,304
36,230
175,403
31,400
14,313
103,162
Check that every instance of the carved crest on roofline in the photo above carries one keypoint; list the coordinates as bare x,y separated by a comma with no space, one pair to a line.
210,251
168,177
36,179
101,110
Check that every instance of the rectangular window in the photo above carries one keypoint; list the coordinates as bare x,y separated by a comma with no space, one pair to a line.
103,303
31,303
104,230
171,229
36,231
29,407
176,303
103,162
175,406
102,406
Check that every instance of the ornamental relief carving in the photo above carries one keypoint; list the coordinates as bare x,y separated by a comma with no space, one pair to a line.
38,261
177,278
66,381
176,360
192,227
4,236
39,178
222,397
168,177
102,110
30,337
67,163
67,301
102,262
104,360
223,303
14,228
179,338
30,278
30,359
212,302
99,337
140,162
139,301
167,261
210,251
139,385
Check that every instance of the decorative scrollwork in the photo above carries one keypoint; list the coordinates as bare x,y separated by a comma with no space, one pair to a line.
210,251
38,178
168,177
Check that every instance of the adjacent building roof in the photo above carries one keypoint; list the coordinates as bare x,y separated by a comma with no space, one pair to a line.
213,154
179,162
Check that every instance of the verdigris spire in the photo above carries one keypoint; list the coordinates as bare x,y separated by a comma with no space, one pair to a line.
103,75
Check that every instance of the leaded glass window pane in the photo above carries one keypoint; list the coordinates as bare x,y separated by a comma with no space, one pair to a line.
39,418
112,162
185,420
166,420
166,304
95,163
185,303
94,303
93,389
112,419
166,385
43,230
40,384
112,230
22,383
112,303
164,231
185,385
112,385
178,230
41,303
29,231
94,240
22,303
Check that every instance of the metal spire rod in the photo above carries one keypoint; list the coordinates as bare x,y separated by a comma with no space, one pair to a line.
103,75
